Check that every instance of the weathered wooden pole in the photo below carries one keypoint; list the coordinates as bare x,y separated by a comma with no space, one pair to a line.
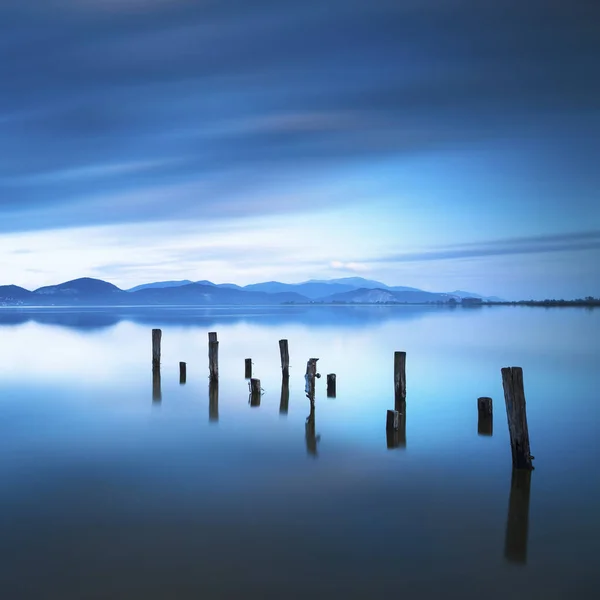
285,357
400,376
213,400
331,388
309,378
213,356
485,418
393,420
248,368
396,426
156,339
285,396
517,525
514,396
255,392
182,373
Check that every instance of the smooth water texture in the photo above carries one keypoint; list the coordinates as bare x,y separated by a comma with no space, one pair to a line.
113,488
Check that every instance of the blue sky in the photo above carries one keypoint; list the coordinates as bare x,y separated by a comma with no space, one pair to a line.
438,144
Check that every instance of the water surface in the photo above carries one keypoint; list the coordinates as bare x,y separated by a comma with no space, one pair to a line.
108,492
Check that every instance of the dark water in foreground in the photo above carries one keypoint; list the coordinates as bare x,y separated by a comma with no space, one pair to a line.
107,493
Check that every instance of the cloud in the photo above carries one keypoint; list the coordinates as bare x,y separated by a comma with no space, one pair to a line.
99,101
541,244
353,267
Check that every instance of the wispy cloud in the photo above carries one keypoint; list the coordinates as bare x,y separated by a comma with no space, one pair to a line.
541,244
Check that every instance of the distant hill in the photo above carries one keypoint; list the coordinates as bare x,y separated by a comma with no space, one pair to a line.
160,284
463,294
379,296
13,294
198,294
310,289
88,291
85,288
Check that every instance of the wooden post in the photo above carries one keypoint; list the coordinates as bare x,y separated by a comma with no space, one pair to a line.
514,396
213,356
182,373
485,423
392,420
517,525
255,392
156,339
331,385
309,378
396,437
156,385
400,376
285,357
213,400
248,368
285,396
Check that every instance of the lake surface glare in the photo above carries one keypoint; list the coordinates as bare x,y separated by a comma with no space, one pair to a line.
109,489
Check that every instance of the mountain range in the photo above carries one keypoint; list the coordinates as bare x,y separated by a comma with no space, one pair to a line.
350,290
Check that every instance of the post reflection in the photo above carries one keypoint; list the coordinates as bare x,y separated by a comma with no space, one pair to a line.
156,386
396,438
312,439
213,401
517,525
285,396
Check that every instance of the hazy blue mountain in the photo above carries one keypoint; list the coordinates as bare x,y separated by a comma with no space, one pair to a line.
13,294
231,286
87,291
463,294
198,294
355,283
83,288
160,284
378,296
311,289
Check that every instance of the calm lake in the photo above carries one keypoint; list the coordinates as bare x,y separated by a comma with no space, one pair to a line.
111,490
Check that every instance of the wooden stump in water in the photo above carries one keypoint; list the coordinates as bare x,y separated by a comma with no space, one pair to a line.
182,373
156,339
285,357
285,396
514,396
485,417
248,368
255,392
396,438
400,376
309,378
213,356
392,420
517,525
331,385
213,400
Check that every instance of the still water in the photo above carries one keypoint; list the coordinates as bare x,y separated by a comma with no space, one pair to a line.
111,490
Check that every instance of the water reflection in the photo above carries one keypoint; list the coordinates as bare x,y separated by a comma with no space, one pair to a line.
156,385
91,318
213,401
517,525
312,439
285,396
